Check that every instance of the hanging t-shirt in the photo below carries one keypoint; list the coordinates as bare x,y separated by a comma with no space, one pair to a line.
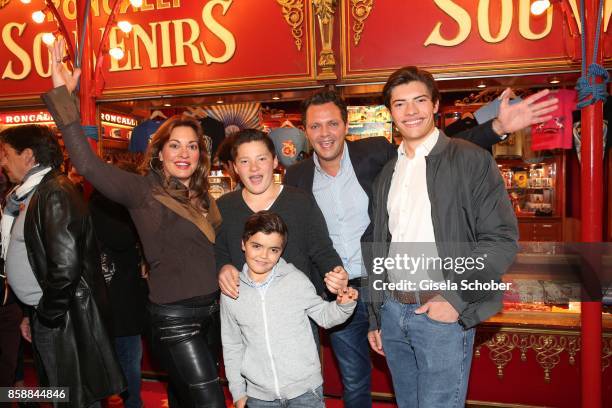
142,133
557,132
289,142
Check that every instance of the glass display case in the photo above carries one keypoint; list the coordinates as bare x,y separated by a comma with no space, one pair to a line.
537,193
531,187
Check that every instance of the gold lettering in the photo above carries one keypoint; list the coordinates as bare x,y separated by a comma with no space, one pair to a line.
113,41
576,15
95,7
484,25
607,14
181,43
176,3
70,9
125,5
19,52
149,43
161,4
38,50
165,40
525,17
107,7
458,14
57,5
146,6
218,30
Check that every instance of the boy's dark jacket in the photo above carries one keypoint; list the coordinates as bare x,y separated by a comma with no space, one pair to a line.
472,216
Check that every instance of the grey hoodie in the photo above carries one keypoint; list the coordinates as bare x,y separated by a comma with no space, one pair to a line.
268,348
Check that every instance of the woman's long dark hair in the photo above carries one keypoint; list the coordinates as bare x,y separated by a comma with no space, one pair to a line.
198,183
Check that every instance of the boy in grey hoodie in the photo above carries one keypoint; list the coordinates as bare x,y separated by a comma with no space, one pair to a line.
268,349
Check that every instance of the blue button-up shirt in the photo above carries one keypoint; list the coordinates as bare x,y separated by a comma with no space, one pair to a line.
345,207
260,286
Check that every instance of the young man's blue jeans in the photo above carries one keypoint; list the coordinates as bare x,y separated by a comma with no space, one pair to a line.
350,344
129,354
310,399
429,360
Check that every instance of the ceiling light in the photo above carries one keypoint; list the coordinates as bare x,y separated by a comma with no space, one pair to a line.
167,104
481,84
539,6
554,80
219,100
124,26
48,38
38,16
276,96
116,52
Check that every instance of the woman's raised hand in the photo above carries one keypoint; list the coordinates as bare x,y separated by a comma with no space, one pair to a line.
59,73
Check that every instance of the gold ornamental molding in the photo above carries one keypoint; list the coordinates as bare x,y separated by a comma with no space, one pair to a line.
549,347
293,12
4,3
360,10
500,347
325,11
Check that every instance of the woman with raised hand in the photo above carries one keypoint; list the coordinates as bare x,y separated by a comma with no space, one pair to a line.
176,220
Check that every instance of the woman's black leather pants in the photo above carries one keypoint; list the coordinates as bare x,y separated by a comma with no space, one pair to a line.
179,342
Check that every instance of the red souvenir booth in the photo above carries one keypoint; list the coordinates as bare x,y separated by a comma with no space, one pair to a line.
277,52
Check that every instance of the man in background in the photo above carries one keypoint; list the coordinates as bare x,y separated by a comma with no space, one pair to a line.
53,266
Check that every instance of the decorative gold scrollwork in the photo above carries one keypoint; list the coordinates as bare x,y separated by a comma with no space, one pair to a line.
4,3
573,347
548,346
500,351
361,11
548,349
325,10
293,11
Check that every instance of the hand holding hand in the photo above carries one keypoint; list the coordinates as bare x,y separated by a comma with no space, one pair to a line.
336,280
347,295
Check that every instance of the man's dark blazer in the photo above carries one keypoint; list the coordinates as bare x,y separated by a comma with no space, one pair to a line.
368,157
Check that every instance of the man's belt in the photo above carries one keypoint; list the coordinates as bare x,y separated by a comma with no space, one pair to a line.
410,298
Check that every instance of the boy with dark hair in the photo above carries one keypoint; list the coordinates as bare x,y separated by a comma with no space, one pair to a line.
446,196
269,353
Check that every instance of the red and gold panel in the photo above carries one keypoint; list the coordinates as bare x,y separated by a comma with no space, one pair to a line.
451,37
175,46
